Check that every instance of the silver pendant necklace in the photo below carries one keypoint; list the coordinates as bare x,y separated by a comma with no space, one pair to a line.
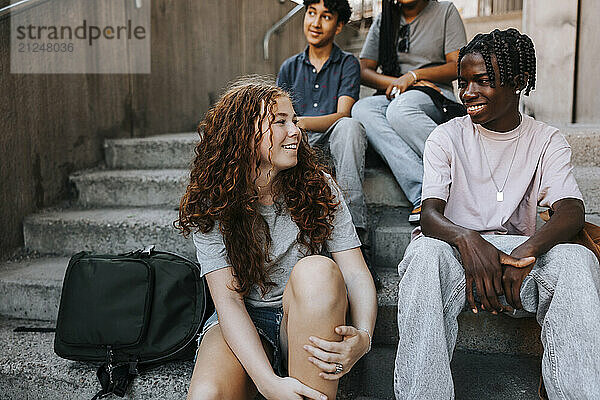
500,190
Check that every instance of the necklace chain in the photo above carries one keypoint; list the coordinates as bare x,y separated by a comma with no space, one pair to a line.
500,190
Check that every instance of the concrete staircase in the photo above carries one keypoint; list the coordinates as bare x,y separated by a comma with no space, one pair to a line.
132,201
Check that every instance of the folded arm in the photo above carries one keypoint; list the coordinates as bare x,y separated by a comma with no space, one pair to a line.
323,122
481,260
444,73
566,222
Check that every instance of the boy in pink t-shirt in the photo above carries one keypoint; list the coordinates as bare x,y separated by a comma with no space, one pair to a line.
485,174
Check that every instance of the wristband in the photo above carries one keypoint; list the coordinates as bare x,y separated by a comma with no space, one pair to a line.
414,75
369,335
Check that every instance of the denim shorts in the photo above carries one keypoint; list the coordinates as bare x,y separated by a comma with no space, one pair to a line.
267,321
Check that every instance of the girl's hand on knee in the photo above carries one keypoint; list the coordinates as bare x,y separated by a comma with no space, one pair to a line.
289,388
335,359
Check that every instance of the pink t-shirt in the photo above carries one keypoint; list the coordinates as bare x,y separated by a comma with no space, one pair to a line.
456,171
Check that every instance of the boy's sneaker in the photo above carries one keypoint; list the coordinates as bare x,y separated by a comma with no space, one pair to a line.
415,216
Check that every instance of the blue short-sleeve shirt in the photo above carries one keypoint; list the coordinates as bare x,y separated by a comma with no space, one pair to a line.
317,93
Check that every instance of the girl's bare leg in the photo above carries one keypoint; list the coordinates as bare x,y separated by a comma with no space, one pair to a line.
314,304
218,374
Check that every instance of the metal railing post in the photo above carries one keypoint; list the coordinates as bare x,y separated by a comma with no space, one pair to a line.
276,26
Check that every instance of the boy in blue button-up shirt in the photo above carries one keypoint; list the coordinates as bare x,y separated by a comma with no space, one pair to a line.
325,83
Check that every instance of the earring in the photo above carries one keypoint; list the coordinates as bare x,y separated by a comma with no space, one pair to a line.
518,92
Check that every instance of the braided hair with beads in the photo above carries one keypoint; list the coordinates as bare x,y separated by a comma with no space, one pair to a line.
514,53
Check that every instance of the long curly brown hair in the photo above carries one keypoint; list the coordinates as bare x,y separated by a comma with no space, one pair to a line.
223,192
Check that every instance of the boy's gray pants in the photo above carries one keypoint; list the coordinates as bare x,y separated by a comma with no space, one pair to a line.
346,142
563,290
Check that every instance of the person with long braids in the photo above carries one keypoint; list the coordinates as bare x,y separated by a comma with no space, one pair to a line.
416,43
485,175
262,212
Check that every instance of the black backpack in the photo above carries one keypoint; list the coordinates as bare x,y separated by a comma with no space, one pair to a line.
130,312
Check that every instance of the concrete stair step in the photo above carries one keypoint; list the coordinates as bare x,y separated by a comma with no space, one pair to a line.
66,232
475,375
176,150
163,151
588,179
30,370
164,188
116,230
390,234
120,230
355,44
30,289
585,143
131,188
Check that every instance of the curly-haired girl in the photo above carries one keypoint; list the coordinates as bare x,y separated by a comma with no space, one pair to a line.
262,210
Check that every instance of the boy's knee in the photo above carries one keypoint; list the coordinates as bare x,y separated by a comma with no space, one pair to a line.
348,130
397,111
350,124
430,247
572,258
427,253
363,108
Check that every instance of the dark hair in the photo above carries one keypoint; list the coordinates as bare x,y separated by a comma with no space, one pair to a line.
339,7
389,34
514,52
222,193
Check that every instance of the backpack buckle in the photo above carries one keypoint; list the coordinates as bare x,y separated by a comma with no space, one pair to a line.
148,250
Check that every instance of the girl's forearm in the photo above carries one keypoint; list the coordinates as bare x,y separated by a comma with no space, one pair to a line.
373,79
363,301
445,73
362,296
240,334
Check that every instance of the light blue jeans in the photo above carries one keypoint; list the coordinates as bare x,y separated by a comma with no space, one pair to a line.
397,130
345,141
563,290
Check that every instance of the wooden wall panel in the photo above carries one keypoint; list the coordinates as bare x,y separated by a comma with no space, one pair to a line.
552,25
197,48
587,95
50,126
195,51
487,24
259,16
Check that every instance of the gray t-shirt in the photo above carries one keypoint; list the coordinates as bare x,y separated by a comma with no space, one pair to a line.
285,249
435,32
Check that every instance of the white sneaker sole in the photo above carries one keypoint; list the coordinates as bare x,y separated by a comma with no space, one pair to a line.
414,218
